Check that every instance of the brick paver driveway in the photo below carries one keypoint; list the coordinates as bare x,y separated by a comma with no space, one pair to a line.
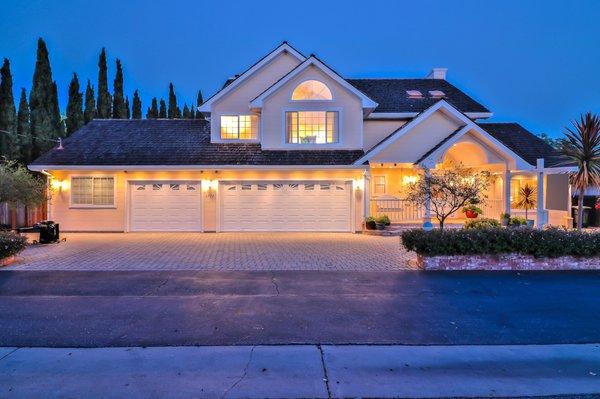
222,251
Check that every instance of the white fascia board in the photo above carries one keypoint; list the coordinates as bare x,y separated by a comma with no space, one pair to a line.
392,115
560,170
400,132
479,115
366,101
39,168
284,47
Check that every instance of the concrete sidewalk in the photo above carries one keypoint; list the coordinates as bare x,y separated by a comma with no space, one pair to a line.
301,371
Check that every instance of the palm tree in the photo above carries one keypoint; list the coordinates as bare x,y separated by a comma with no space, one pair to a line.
582,148
526,199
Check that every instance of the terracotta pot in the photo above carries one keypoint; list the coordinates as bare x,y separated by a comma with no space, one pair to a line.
471,214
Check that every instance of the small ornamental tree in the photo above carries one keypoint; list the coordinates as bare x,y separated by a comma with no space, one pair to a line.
448,190
526,199
18,186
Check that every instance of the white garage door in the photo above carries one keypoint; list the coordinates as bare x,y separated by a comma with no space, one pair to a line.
286,206
166,206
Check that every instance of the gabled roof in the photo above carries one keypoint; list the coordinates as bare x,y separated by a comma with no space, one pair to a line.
523,142
313,60
172,142
232,83
391,95
467,125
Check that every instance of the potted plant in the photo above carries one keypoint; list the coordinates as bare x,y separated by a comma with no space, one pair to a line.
504,219
526,200
381,222
516,221
370,223
471,210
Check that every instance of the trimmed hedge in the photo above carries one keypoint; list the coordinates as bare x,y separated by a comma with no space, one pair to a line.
11,244
550,243
482,223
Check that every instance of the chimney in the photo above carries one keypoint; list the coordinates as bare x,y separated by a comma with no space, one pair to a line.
437,73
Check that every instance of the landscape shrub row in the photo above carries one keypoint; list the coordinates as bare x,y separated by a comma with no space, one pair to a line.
11,244
550,243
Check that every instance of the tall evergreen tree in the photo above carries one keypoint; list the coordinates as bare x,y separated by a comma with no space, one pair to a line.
103,106
162,110
118,108
137,106
8,115
199,102
74,107
152,110
192,112
24,130
186,111
59,125
43,104
127,108
90,103
174,112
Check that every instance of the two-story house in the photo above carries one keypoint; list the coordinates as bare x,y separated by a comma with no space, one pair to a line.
290,145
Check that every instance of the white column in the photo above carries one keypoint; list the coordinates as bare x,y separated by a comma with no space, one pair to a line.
366,193
541,212
427,225
507,176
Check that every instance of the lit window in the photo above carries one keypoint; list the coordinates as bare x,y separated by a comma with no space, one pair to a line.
311,90
437,94
312,127
379,185
93,191
239,127
414,94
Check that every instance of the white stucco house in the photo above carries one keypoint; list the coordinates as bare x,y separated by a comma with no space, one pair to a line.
290,145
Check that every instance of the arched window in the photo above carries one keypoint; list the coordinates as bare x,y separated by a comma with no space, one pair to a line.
311,90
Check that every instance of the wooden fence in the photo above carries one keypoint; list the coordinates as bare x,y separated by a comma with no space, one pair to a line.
22,216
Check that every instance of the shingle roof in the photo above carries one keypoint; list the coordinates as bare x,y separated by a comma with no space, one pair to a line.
524,143
391,95
173,142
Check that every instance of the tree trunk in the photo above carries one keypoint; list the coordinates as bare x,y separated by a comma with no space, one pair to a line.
442,220
580,209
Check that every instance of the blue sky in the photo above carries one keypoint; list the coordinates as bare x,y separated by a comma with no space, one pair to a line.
535,62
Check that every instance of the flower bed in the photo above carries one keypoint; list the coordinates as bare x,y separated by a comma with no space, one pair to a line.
10,245
504,249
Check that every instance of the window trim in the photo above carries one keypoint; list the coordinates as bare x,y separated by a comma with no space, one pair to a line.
291,95
84,206
339,141
258,126
375,184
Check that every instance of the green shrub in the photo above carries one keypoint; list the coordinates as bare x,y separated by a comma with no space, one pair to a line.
11,244
550,243
370,223
383,220
483,223
517,221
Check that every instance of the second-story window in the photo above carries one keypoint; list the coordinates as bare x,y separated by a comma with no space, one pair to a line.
239,127
311,127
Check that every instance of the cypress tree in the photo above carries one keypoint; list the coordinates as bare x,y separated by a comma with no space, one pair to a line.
127,108
174,112
103,110
8,114
199,102
59,125
74,119
162,110
118,107
192,113
186,111
152,112
43,104
24,130
137,106
90,103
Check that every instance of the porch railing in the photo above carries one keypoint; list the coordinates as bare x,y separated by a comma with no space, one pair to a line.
399,210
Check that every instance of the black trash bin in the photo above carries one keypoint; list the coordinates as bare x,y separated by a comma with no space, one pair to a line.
49,231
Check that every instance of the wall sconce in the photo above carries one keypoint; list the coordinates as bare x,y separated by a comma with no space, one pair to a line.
59,185
406,180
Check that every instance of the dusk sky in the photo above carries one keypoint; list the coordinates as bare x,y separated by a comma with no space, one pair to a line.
534,62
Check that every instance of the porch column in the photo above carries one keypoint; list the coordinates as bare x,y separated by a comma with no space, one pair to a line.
507,176
427,216
366,194
541,212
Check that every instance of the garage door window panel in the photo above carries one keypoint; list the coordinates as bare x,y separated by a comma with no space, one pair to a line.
89,191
